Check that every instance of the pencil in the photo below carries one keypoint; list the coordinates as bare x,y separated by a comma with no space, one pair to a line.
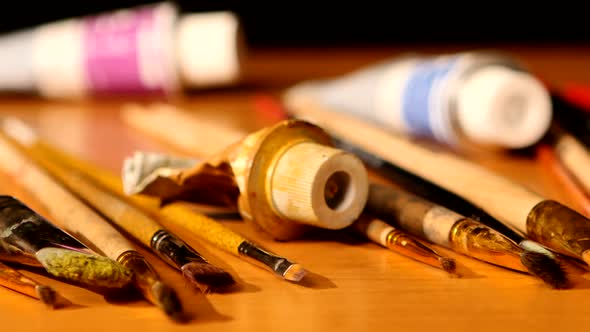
79,219
546,221
177,213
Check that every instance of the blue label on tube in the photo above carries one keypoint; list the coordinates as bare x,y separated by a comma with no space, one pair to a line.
417,102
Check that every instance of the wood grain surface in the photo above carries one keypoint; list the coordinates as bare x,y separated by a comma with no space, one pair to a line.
353,285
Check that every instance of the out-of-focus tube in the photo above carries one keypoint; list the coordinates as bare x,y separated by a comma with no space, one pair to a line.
463,99
150,49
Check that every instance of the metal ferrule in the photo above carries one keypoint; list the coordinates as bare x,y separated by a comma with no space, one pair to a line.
559,228
145,278
405,245
23,231
14,280
279,265
477,240
173,250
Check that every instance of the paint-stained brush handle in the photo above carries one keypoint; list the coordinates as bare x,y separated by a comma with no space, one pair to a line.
68,212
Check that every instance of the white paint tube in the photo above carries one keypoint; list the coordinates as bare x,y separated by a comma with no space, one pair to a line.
150,49
470,99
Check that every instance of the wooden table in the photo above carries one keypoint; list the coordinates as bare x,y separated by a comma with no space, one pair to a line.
352,285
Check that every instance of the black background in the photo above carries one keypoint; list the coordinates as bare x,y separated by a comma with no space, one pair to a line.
323,23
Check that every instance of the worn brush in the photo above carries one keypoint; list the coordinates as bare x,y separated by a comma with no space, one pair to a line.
75,217
28,238
16,281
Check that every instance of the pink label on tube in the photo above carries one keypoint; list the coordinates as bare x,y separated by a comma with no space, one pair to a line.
115,46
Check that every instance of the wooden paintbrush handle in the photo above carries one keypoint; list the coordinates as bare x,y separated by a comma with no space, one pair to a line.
173,213
159,119
133,221
501,198
67,211
575,157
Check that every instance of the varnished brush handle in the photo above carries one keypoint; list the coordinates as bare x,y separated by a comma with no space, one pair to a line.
131,220
503,199
67,211
175,213
159,119
575,157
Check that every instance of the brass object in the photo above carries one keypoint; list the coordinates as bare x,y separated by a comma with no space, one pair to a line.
560,228
482,242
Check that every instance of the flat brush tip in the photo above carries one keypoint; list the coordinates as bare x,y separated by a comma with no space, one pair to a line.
448,264
207,276
168,301
546,268
295,272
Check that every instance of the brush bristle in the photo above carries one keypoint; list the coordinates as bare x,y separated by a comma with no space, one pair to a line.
168,300
207,277
295,272
47,295
84,268
546,268
448,264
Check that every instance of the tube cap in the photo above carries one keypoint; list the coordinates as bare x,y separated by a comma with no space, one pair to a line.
319,185
208,48
504,107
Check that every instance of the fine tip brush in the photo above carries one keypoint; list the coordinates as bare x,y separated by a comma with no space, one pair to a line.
399,241
16,281
444,227
77,218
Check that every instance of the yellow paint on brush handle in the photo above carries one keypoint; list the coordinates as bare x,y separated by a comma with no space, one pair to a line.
177,213
203,226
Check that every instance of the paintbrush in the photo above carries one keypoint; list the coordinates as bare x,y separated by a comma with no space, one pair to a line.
141,226
77,218
176,213
545,221
29,239
399,241
444,227
18,282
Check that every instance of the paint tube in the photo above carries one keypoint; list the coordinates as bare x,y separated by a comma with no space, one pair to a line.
149,49
463,99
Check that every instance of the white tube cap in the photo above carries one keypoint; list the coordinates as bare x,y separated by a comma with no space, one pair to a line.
208,48
500,106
